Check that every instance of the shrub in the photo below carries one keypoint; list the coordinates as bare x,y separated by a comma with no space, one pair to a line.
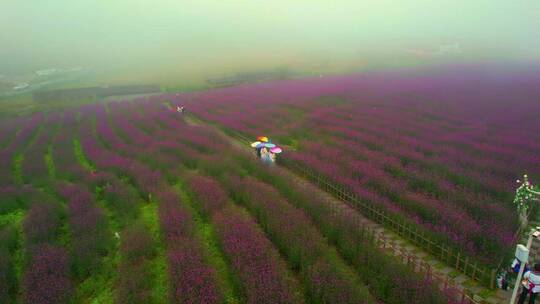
8,281
192,281
9,197
9,237
255,261
137,243
123,200
176,222
42,224
208,193
134,278
295,236
46,281
90,234
133,283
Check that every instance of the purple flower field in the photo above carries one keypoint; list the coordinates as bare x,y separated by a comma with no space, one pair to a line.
129,202
441,151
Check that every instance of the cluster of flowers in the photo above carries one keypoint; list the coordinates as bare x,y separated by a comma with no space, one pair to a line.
209,194
122,164
27,129
34,166
91,237
15,197
262,274
238,247
122,199
47,279
8,245
212,199
412,190
192,281
253,258
65,161
47,276
344,228
326,277
8,130
137,249
41,224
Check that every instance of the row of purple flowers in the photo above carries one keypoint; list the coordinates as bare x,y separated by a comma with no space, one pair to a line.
262,275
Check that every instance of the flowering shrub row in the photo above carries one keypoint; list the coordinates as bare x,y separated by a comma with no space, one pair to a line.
262,275
27,129
34,166
192,281
209,194
254,260
90,234
47,278
326,277
137,248
343,227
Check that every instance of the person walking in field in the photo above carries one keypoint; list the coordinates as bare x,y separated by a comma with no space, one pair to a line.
264,154
531,285
272,157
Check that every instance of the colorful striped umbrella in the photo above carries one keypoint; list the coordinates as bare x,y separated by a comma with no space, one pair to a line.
262,138
255,144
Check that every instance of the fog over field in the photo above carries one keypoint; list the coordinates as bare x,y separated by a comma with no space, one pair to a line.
170,41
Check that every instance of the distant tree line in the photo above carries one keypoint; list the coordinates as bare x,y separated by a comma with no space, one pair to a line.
93,92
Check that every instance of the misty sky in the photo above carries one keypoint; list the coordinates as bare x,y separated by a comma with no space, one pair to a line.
175,37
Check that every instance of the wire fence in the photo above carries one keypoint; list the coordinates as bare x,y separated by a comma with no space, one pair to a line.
462,296
450,256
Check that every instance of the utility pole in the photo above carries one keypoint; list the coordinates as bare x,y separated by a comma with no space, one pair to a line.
525,194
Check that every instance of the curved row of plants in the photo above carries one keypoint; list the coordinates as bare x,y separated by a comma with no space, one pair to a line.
316,298
127,203
240,165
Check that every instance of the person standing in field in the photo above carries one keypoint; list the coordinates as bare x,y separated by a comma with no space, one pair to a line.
258,152
531,285
516,264
272,157
264,154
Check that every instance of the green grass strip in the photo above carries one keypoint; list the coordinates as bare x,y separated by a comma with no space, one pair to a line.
205,232
99,287
15,219
50,162
17,169
81,158
160,290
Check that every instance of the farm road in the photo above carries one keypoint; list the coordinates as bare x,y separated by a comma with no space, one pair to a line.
391,242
